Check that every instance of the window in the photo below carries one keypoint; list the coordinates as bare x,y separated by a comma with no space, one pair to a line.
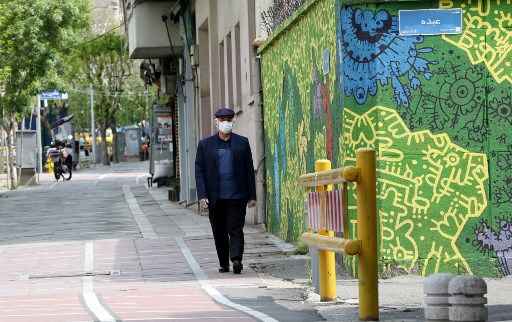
238,72
222,79
229,70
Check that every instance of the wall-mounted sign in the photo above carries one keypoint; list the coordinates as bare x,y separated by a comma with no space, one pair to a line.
430,22
164,128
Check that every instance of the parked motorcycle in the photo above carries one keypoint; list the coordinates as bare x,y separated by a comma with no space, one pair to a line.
62,163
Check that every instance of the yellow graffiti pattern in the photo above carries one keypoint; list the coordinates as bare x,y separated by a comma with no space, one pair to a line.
428,189
487,35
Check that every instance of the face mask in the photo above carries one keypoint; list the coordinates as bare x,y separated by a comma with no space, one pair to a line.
225,127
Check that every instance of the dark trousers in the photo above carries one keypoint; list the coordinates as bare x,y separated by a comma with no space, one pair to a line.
227,218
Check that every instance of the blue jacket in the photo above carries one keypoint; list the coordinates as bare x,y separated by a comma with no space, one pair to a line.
207,176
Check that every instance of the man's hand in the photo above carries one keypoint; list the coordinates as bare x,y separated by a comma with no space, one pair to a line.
203,203
251,203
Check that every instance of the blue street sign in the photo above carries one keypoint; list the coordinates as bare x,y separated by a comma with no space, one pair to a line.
430,22
53,95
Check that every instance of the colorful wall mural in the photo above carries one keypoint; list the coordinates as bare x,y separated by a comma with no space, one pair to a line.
437,109
302,123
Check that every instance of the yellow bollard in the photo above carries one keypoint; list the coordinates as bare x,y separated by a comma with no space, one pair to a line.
326,258
367,234
49,165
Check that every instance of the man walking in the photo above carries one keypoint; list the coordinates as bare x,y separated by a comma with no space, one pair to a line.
226,186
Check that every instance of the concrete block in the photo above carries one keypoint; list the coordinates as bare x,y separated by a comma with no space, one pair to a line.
467,299
468,313
436,293
467,285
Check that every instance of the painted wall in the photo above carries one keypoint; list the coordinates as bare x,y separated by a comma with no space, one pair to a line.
301,123
438,110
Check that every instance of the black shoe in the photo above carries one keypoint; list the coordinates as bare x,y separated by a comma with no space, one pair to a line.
237,267
224,269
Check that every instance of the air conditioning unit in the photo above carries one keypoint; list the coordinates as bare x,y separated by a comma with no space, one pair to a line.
147,34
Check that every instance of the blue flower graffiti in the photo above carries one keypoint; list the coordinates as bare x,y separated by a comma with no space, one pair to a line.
374,52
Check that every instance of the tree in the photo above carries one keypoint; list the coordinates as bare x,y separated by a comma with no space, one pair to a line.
34,36
133,107
104,63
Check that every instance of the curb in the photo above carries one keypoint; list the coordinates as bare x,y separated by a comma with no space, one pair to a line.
286,248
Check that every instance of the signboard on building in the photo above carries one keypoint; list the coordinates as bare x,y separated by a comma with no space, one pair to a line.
429,22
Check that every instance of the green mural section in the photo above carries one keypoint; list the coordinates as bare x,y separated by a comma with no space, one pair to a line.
301,122
452,211
487,36
437,109
425,198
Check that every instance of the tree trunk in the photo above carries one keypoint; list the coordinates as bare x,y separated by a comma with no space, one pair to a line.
106,158
114,143
4,162
11,168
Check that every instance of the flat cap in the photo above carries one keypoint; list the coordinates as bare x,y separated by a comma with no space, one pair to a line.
224,112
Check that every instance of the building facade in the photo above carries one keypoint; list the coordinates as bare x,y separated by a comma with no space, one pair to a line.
106,14
228,75
209,46
437,109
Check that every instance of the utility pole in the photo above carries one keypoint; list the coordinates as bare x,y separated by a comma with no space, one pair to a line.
151,136
93,129
146,94
38,137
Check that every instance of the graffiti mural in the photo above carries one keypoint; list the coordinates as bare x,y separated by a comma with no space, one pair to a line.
301,122
375,54
493,47
500,242
437,109
428,189
464,96
321,116
454,102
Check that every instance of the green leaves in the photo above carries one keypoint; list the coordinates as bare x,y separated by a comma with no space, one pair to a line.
34,35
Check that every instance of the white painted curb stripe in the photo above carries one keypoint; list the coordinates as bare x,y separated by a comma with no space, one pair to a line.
145,227
103,176
139,177
216,295
91,300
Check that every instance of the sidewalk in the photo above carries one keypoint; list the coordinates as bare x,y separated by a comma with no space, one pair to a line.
255,288
127,254
138,257
400,298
